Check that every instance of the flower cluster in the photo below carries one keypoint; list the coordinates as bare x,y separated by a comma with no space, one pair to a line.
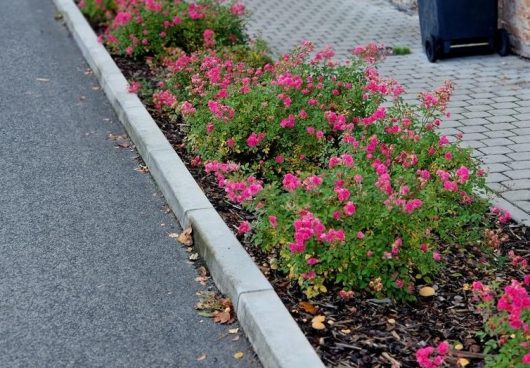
149,27
432,357
507,322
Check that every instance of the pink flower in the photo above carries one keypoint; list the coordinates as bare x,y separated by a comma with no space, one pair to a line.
291,182
187,108
244,227
273,221
463,174
176,20
451,186
443,141
254,139
312,261
237,9
208,37
360,235
526,358
502,215
288,122
134,87
343,194
163,99
429,357
312,182
152,5
279,159
436,256
349,208
121,19
195,12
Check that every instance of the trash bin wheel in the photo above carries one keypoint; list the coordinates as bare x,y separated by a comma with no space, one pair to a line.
503,42
432,49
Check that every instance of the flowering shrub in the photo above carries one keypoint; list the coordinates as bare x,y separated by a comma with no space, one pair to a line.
375,215
275,118
507,323
99,11
347,191
149,26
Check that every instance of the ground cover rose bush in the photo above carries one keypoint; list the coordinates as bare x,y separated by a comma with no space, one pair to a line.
275,118
347,191
375,215
147,27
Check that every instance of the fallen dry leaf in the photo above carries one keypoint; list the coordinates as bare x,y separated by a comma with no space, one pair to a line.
459,346
222,317
202,279
427,291
201,357
123,144
239,355
233,331
213,305
142,169
318,323
185,237
308,307
462,362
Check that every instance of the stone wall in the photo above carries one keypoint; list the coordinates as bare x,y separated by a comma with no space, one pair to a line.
515,17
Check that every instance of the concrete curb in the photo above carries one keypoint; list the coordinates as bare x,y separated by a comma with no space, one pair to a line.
275,336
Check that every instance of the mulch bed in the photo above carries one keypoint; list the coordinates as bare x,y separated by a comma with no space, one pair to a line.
365,332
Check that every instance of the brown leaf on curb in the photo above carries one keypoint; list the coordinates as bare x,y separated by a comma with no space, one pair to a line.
185,237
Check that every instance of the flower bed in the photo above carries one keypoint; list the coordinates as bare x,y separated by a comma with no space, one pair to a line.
356,198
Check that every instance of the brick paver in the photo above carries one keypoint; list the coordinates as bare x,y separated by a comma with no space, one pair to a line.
491,105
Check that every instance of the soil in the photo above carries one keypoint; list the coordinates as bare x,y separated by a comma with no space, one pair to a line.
365,332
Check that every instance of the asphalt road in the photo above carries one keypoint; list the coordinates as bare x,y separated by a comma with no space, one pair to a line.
88,274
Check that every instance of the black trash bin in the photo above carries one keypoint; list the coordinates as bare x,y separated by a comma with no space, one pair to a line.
451,24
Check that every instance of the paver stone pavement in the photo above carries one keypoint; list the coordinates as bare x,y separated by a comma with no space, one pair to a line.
492,94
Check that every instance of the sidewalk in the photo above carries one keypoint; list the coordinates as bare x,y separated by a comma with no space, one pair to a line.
89,274
491,105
